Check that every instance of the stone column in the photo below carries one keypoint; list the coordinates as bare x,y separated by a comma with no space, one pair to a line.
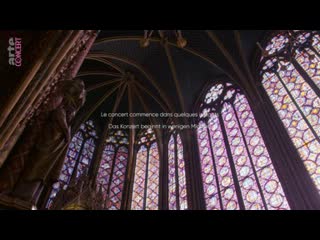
193,169
297,184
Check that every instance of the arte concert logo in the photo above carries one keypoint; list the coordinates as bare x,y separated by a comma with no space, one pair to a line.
15,51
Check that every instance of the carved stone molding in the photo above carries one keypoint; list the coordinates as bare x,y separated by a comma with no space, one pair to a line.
66,71
41,86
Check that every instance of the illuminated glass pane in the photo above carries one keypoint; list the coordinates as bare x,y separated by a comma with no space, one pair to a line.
177,174
139,179
213,93
247,181
296,101
233,152
118,178
85,156
172,174
277,43
310,62
181,176
298,112
145,195
153,178
208,174
316,42
72,156
104,171
79,154
267,177
112,169
225,179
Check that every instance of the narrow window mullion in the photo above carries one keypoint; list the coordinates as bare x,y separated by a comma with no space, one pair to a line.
232,166
116,149
315,51
306,77
251,161
146,179
297,106
75,168
176,171
214,168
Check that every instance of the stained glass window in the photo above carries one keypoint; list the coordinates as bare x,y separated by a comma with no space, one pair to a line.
291,78
237,171
177,175
112,170
78,158
145,195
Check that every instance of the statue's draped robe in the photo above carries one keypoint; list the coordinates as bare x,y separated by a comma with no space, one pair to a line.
40,151
48,146
42,143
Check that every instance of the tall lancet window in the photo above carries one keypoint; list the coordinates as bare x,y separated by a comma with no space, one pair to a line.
145,195
291,77
78,158
237,171
112,170
177,174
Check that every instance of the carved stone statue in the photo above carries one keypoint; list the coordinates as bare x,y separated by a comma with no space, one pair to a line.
52,135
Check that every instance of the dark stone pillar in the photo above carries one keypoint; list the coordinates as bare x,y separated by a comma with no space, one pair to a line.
193,169
164,186
297,184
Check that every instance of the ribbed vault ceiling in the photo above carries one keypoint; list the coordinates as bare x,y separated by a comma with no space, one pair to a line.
117,55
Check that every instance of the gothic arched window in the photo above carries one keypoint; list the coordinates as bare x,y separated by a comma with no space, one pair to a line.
237,171
177,174
145,195
112,170
291,77
78,158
